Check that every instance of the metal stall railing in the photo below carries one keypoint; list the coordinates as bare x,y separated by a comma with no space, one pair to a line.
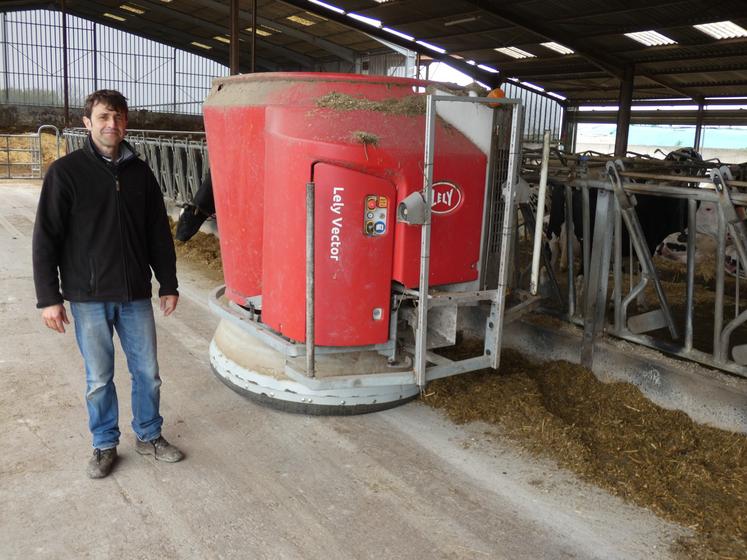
615,189
178,159
20,156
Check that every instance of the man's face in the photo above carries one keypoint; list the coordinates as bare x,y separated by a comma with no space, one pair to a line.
107,127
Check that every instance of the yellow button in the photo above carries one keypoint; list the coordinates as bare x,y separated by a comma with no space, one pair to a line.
382,202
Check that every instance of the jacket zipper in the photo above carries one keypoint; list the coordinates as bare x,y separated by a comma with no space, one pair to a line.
121,235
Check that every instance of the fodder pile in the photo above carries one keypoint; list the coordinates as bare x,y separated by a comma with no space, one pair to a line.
614,437
203,249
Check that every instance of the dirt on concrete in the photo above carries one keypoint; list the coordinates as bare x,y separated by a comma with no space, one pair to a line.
614,437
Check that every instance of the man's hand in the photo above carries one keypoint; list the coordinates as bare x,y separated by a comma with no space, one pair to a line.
168,304
55,317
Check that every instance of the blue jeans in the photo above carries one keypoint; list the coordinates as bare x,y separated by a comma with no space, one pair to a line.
95,323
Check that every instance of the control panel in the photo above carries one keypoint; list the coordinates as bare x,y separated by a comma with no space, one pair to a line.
375,218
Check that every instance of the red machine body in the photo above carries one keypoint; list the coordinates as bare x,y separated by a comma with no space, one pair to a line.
361,140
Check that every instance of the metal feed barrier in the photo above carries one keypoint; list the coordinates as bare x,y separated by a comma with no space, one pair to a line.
617,183
178,159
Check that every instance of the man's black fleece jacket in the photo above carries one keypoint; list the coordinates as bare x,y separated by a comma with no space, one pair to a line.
104,226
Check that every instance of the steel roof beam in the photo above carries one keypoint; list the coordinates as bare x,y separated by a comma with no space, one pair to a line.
715,11
18,5
152,32
217,29
339,51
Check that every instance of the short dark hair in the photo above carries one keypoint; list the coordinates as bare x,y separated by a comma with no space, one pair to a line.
110,98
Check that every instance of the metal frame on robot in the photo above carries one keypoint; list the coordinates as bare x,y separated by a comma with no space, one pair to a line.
497,297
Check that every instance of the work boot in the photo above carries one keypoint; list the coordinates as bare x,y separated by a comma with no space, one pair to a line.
101,463
161,449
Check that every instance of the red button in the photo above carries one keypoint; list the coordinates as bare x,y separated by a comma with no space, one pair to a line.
371,203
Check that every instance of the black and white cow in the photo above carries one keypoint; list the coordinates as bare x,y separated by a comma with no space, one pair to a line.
194,214
659,216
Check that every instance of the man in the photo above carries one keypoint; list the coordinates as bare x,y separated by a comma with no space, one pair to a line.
102,223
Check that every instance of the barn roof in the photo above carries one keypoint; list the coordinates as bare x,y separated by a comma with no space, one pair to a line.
302,34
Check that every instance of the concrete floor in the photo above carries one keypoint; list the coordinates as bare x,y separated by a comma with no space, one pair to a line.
258,483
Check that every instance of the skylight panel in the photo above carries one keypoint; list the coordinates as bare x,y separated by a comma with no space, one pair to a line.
114,17
460,20
328,6
515,52
317,16
261,32
651,38
487,68
532,86
301,20
432,47
222,39
370,21
722,30
133,9
201,45
398,34
557,47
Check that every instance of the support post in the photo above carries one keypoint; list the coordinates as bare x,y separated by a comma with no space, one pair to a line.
595,302
252,65
174,92
623,114
95,58
233,49
698,142
5,56
568,128
65,86
692,208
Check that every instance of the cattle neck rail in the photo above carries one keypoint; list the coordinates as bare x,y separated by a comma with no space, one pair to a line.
611,194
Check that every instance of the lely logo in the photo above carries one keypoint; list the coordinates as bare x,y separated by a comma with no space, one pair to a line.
447,197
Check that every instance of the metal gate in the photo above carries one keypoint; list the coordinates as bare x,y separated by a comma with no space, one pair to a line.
20,156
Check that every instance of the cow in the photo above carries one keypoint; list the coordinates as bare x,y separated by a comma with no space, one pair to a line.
194,214
674,246
658,216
